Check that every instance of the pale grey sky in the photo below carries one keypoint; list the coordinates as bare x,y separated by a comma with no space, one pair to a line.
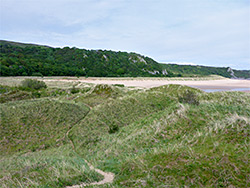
203,32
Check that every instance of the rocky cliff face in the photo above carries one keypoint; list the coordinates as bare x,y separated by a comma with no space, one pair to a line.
230,70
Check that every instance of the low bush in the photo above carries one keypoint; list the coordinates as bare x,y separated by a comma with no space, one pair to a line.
33,84
189,97
86,89
37,74
113,128
74,90
5,89
36,94
102,89
119,85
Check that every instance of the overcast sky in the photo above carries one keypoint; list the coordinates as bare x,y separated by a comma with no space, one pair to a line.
203,32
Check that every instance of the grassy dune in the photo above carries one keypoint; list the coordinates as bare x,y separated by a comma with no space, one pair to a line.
147,138
54,167
161,142
35,149
37,124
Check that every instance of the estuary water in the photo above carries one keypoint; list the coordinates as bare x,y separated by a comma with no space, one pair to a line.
233,89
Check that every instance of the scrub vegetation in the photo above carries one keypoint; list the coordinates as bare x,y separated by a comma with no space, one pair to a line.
168,136
20,59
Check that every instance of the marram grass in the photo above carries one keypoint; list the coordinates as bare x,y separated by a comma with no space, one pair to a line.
181,144
146,138
57,167
35,149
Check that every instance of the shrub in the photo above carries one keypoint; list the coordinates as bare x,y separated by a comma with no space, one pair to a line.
33,84
102,89
37,74
24,74
113,128
74,90
5,89
119,85
86,89
189,97
36,94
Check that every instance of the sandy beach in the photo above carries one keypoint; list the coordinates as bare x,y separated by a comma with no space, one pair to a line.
206,83
202,84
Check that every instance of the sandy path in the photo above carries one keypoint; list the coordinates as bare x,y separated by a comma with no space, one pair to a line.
108,178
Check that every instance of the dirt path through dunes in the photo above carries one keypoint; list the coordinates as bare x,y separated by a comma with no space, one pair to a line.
108,178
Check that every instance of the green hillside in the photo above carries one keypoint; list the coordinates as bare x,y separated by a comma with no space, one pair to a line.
172,135
191,70
20,59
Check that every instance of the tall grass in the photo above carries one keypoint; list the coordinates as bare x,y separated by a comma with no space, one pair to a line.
37,124
146,138
55,167
35,149
172,144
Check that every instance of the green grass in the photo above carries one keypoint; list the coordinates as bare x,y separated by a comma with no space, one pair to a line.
35,149
116,113
55,167
147,138
100,94
175,144
8,93
37,124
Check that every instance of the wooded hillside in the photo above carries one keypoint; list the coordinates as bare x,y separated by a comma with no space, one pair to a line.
19,59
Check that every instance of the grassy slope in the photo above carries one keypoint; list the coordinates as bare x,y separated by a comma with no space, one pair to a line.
37,124
35,150
54,167
171,144
147,138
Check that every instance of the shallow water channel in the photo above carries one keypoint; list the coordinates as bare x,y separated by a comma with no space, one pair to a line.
247,89
234,89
